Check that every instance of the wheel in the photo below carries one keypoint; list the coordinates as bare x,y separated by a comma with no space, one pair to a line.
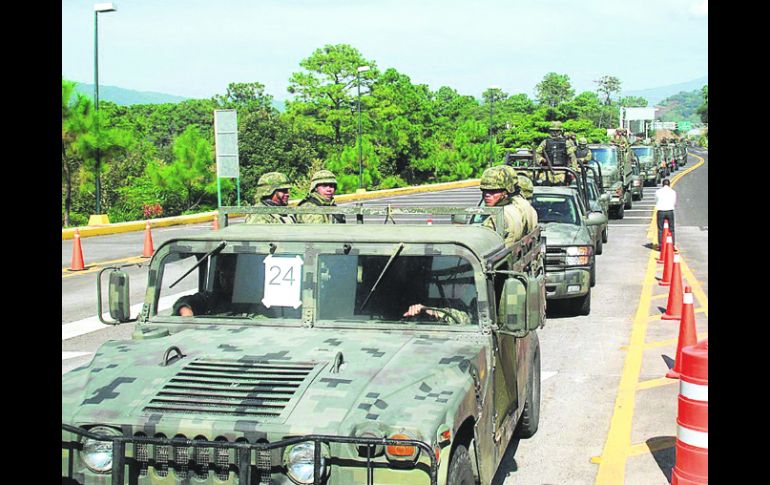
530,416
582,304
629,198
593,275
621,211
600,245
605,234
636,197
460,467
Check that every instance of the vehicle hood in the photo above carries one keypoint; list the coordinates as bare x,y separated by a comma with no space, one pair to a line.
560,234
389,378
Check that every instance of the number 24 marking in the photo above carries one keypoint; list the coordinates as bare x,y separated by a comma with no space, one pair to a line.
289,276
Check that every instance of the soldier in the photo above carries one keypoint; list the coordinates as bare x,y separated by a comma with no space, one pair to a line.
583,153
323,184
620,138
520,201
215,302
272,191
497,187
560,152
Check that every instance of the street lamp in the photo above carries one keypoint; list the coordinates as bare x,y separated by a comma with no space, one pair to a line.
98,8
360,147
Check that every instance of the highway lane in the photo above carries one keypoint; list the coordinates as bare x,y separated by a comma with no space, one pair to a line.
582,357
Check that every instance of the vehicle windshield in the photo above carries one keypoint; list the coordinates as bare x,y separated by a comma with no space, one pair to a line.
444,283
592,192
555,208
607,157
644,154
227,286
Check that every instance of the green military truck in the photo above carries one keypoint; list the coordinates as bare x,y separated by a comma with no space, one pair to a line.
299,364
616,176
649,163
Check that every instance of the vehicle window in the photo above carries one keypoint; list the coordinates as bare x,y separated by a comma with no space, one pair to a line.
233,286
345,282
607,157
555,208
643,153
592,193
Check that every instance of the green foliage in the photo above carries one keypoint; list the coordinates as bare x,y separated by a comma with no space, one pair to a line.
633,101
607,86
554,89
703,109
681,106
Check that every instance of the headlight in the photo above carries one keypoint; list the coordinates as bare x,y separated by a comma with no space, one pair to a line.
402,452
97,455
299,462
578,255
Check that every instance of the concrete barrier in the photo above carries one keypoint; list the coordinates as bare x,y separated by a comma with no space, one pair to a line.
119,227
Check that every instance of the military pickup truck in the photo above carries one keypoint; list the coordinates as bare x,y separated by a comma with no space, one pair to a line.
649,163
299,363
616,176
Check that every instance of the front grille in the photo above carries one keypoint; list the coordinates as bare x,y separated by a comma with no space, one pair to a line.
555,258
232,388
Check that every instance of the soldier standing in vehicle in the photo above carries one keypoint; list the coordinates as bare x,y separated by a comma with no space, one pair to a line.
519,200
272,191
560,151
323,185
583,153
497,187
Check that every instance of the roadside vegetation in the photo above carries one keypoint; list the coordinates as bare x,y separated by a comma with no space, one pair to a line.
158,160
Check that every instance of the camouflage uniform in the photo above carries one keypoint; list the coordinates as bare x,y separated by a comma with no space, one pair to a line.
515,220
314,198
266,186
583,153
558,156
519,200
620,138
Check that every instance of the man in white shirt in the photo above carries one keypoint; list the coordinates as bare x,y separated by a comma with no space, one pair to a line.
665,200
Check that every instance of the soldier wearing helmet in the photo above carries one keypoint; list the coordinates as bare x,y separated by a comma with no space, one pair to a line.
323,185
521,197
620,138
272,191
498,185
560,151
583,153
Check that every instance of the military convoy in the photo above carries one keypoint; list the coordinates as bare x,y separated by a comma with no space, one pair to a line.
616,176
299,365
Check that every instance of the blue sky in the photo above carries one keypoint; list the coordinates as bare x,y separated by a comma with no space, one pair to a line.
194,48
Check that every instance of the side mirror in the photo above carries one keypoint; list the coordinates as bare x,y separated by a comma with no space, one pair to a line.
118,299
596,218
605,197
459,219
512,310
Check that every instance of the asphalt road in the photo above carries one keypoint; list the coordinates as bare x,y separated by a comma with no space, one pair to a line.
593,429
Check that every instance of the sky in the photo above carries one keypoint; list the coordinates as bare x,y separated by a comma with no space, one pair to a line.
195,48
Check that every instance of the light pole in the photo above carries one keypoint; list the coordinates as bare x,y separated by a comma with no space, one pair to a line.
360,146
103,8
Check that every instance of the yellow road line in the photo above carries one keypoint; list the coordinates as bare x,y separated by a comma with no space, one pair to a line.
93,268
673,341
645,448
694,284
652,234
613,458
661,381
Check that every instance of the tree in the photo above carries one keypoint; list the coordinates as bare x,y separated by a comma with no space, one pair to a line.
325,99
703,109
554,89
191,175
607,86
633,101
75,115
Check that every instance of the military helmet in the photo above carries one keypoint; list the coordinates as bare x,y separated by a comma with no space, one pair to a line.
499,177
525,186
269,183
555,126
582,141
322,177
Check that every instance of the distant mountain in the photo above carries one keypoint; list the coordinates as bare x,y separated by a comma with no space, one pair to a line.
655,95
125,97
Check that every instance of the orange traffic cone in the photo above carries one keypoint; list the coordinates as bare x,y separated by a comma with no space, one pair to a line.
430,220
148,249
668,264
687,335
666,233
77,254
674,306
215,226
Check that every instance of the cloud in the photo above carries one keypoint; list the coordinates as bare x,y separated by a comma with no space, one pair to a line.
700,9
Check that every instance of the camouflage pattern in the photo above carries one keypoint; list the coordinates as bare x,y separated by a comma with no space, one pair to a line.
525,186
269,183
314,198
504,177
269,218
570,155
583,153
322,177
352,378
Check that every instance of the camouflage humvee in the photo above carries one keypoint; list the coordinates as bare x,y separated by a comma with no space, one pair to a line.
637,181
649,163
616,176
299,365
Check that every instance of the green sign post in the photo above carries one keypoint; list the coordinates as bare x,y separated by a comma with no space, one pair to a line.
684,126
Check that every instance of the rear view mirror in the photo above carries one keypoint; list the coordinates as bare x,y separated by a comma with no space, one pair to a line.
512,310
596,218
118,296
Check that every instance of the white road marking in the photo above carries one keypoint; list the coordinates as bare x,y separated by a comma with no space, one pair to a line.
92,324
636,217
72,355
631,225
547,375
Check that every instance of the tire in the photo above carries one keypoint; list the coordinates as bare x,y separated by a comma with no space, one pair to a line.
605,234
460,468
600,245
629,204
530,416
593,275
582,304
621,211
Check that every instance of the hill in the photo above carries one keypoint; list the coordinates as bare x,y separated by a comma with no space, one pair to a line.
125,97
655,95
680,107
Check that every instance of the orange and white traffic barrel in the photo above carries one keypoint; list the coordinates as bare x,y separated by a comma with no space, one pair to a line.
692,434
